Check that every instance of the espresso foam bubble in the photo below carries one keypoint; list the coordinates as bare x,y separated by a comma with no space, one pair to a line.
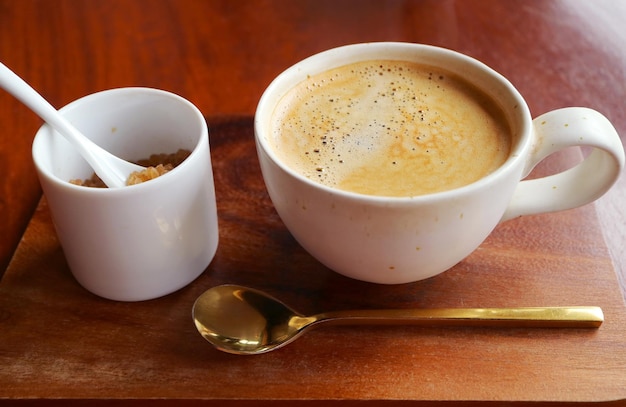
389,128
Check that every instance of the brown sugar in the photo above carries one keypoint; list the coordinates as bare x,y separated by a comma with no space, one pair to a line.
137,177
156,165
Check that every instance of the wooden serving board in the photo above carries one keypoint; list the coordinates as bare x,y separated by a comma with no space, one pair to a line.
59,342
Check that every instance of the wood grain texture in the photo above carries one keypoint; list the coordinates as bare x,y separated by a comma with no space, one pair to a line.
75,345
221,54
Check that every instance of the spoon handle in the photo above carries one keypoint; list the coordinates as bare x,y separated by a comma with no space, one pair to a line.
113,175
527,317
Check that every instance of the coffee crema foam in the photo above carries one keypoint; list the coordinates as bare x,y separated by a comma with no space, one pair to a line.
389,128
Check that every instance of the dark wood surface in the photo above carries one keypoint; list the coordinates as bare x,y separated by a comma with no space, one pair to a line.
73,344
221,55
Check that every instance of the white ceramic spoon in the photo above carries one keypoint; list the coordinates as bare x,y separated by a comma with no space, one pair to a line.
112,170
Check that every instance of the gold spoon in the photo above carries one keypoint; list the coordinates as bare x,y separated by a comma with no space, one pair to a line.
246,321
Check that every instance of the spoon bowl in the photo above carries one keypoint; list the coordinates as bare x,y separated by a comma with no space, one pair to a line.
112,170
245,321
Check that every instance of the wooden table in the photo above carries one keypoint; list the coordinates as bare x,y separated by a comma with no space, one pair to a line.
58,342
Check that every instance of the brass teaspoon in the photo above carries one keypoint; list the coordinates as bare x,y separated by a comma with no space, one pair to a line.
246,321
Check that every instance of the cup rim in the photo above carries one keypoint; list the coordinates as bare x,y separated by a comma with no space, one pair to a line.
340,56
45,131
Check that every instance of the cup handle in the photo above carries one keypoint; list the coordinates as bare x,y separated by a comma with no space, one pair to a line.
577,186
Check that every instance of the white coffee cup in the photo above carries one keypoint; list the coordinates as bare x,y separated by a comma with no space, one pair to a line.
398,240
141,241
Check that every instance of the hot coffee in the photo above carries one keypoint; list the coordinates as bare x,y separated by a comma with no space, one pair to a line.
390,128
406,129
